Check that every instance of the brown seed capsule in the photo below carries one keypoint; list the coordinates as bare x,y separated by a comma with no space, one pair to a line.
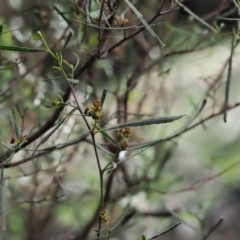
124,145
124,22
13,140
97,115
97,104
86,111
127,130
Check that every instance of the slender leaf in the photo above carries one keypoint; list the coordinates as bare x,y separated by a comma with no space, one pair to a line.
33,128
69,22
143,237
4,145
146,25
77,62
69,36
123,216
71,142
189,121
1,30
147,122
167,230
229,19
102,131
104,93
87,7
199,19
15,122
45,139
12,66
99,147
147,145
36,36
20,49
229,74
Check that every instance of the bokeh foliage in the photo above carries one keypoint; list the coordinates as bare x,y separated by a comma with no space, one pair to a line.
157,167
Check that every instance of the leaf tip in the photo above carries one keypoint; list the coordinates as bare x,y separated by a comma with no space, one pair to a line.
204,102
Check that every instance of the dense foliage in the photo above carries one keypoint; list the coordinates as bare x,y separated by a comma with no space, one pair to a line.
116,121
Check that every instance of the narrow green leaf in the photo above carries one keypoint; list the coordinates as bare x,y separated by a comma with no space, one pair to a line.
229,19
69,22
4,145
72,142
146,25
69,36
20,49
167,230
11,66
36,36
229,74
15,122
45,139
59,58
99,147
147,145
147,122
35,126
68,64
199,19
66,144
87,7
104,93
143,237
190,120
77,62
123,216
102,131
1,30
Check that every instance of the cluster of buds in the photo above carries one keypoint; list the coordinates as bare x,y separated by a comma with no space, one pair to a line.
103,217
123,133
124,21
95,110
22,138
56,102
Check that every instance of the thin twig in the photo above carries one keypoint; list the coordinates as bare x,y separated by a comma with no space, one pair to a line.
159,13
213,228
228,80
99,31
